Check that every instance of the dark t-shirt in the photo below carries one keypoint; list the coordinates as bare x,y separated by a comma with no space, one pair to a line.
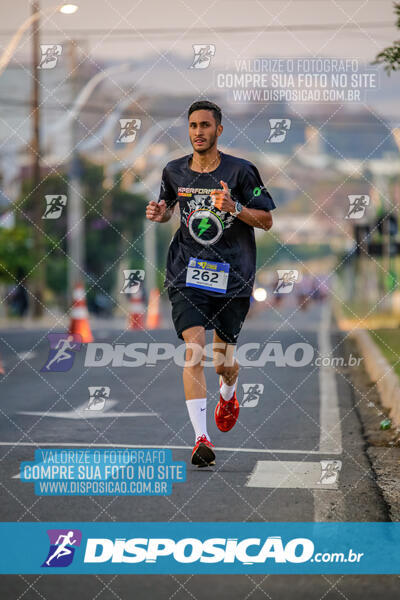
208,233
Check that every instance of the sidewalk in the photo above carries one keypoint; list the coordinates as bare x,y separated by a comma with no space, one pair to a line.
381,446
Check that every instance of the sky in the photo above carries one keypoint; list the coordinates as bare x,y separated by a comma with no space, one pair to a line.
158,36
120,28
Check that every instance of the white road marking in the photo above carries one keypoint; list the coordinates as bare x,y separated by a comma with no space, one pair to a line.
89,414
81,412
161,446
288,474
330,430
28,355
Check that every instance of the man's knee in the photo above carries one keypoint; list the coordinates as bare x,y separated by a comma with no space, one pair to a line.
194,335
224,369
220,368
224,357
194,339
194,355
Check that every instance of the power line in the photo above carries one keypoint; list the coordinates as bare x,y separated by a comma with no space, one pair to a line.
76,33
22,103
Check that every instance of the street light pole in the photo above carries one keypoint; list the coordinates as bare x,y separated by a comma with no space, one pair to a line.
38,277
75,225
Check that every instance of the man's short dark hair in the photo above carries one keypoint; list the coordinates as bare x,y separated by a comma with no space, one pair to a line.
206,105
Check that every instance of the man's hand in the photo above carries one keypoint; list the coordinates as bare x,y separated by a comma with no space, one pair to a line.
222,198
155,211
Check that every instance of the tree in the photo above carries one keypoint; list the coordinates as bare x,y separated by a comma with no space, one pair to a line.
390,56
15,253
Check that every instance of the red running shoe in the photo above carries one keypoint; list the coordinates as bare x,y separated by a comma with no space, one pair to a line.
226,412
203,455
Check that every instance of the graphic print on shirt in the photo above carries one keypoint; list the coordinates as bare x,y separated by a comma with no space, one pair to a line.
205,222
205,232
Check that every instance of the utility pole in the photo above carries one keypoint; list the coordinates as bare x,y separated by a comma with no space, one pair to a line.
149,235
39,273
75,224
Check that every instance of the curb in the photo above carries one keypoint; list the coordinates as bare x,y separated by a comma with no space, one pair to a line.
381,373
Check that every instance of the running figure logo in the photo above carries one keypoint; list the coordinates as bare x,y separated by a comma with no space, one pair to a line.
97,397
329,471
357,207
278,130
54,206
62,352
50,55
133,278
63,543
286,280
129,128
202,55
251,394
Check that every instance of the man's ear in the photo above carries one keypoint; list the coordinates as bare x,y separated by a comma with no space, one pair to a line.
220,129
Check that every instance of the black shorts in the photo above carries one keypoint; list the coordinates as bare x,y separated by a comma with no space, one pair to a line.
191,307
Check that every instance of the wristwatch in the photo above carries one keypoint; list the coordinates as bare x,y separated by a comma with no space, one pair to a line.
238,209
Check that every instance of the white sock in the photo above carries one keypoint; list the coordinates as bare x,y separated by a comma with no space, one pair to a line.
197,410
227,390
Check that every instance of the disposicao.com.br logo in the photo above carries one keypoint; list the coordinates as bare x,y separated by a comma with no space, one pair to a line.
213,550
63,348
252,354
205,547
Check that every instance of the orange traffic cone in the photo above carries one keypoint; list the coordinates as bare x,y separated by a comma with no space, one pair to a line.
79,315
153,311
136,311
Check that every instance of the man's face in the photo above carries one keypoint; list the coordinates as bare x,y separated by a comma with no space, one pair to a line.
203,130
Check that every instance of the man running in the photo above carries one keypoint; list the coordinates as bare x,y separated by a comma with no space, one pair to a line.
211,261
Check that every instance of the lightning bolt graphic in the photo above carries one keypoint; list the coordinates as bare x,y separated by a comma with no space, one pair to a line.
204,225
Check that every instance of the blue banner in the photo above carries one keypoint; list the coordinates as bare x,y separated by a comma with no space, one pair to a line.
236,548
103,472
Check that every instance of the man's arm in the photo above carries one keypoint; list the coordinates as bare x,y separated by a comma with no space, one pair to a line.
258,204
256,217
168,214
167,194
162,211
159,212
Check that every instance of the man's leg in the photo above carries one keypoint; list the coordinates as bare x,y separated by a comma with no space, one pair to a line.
227,410
225,365
194,383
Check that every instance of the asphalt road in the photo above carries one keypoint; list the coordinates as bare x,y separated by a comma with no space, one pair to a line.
305,415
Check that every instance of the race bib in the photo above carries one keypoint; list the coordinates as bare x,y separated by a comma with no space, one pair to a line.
207,275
